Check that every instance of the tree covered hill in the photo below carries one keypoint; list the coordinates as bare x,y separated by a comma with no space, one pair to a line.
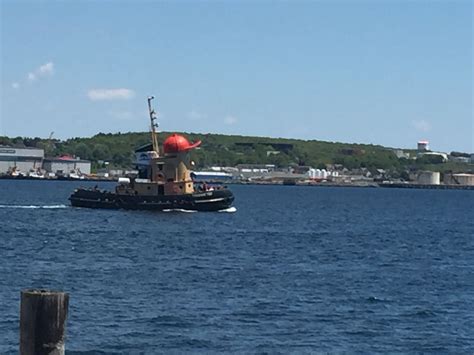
230,150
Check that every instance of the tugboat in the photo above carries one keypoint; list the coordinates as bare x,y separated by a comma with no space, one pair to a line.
167,184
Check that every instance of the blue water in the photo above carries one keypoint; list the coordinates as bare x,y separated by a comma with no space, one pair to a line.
295,269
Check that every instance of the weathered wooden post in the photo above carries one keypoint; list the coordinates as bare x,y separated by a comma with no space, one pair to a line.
43,317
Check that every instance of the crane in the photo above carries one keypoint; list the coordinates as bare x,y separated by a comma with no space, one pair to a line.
49,144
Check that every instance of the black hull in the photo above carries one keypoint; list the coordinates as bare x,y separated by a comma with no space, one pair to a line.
202,201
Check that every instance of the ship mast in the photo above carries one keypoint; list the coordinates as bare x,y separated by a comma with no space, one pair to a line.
154,125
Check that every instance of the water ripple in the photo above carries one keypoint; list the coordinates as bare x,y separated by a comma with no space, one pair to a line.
289,270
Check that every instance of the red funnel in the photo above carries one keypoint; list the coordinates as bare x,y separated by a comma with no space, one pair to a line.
177,143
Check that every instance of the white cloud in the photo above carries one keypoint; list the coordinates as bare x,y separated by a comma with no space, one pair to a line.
421,125
230,120
194,115
15,85
42,71
46,69
110,94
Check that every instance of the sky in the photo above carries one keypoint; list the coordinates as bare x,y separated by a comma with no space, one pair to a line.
388,72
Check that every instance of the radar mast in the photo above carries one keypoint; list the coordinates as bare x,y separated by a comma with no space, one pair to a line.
154,126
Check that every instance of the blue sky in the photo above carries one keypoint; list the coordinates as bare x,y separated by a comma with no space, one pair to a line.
389,73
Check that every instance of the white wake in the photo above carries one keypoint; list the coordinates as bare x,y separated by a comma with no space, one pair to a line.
229,210
34,206
178,210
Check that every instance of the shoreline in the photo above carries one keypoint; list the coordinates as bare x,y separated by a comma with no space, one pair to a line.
281,183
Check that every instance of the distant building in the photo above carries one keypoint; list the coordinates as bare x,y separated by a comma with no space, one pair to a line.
210,176
460,159
401,154
299,169
255,167
66,164
225,169
116,172
423,146
21,159
443,156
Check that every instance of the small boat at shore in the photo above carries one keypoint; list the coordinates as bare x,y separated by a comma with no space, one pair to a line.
166,183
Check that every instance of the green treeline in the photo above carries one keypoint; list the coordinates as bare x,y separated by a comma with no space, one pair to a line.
229,150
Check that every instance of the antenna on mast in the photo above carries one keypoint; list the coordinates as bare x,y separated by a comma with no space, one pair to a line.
154,126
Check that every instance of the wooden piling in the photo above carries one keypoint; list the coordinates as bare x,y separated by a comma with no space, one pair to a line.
43,315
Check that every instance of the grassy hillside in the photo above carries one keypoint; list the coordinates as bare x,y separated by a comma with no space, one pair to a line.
228,150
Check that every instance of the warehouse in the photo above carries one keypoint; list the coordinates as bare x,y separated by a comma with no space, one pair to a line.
65,165
20,159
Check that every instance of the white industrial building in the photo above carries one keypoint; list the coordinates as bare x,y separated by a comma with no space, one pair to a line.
20,159
423,146
67,165
443,156
465,160
25,160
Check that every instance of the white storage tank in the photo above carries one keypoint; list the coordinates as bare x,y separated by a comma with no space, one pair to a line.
428,178
324,173
461,179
